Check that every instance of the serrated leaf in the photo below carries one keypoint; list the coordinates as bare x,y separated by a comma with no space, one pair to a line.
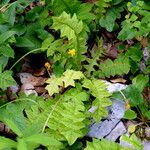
109,68
53,85
63,116
102,145
69,27
134,141
97,87
77,96
47,42
6,80
92,62
70,76
68,120
102,101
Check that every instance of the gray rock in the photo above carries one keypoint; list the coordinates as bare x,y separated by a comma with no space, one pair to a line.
114,87
110,127
117,109
103,128
146,145
117,132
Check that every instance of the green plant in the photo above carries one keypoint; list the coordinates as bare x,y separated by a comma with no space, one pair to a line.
64,32
136,23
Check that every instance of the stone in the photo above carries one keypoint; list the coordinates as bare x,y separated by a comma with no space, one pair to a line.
117,132
117,109
115,87
146,145
103,128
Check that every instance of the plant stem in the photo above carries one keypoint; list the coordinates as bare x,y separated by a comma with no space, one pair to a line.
34,50
17,101
123,95
46,122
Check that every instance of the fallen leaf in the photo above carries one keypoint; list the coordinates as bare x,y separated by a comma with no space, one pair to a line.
29,78
118,80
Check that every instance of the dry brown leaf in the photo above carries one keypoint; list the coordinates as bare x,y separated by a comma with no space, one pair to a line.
29,78
118,80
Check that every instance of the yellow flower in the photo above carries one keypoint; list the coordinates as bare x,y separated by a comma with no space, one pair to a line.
132,128
127,105
47,66
72,52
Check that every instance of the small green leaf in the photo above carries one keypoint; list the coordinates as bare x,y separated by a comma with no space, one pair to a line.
6,35
134,95
130,114
70,76
47,42
24,42
53,85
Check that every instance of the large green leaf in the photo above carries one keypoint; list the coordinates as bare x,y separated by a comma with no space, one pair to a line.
134,141
109,68
102,101
69,120
6,80
6,143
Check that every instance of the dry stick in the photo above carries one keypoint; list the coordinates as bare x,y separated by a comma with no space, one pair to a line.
24,56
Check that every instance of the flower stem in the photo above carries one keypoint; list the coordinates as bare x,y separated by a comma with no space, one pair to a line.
34,50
